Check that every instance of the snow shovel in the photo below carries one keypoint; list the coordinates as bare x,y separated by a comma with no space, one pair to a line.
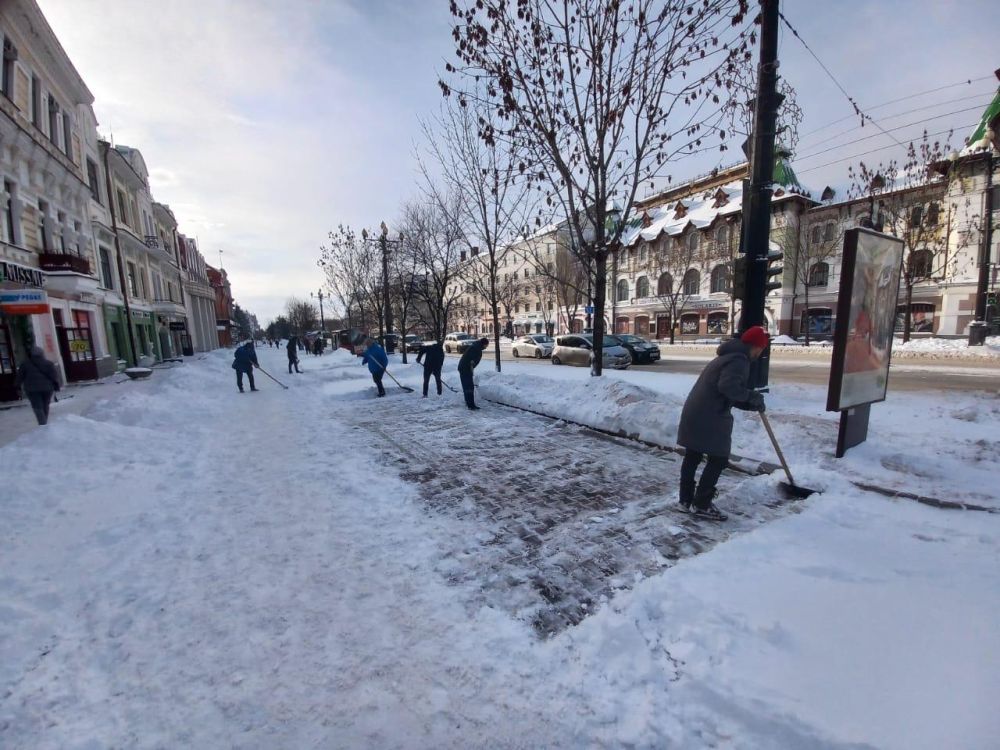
403,387
272,377
789,487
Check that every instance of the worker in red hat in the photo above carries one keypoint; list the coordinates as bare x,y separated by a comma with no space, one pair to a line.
706,427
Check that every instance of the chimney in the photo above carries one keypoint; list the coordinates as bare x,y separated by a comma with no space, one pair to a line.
462,256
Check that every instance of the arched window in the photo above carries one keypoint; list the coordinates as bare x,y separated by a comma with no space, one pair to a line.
720,279
665,286
816,234
921,264
642,287
829,231
722,237
819,275
932,214
916,214
692,282
692,241
622,290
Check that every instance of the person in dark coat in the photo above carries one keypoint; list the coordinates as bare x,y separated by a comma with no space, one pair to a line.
293,354
377,360
706,427
40,379
244,360
472,357
433,359
317,347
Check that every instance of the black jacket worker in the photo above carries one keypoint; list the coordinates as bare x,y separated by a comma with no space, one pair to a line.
433,359
466,365
293,353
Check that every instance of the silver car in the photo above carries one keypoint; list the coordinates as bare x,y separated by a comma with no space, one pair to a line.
535,345
578,349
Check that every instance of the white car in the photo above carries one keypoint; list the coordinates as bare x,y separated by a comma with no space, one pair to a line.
538,346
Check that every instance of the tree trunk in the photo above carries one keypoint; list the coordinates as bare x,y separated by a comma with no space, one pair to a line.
600,296
808,318
402,335
496,333
907,319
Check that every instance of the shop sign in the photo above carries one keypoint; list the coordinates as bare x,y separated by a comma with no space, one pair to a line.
175,326
21,274
141,315
24,302
79,345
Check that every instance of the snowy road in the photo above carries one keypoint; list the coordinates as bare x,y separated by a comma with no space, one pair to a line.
186,566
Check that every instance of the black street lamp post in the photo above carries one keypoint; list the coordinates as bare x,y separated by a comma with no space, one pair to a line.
319,295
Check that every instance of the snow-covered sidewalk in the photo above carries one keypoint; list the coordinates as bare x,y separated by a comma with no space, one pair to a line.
186,566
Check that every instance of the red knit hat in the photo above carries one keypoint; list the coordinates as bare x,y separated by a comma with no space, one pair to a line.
755,336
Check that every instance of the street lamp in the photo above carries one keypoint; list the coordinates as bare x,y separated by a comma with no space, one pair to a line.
319,295
384,243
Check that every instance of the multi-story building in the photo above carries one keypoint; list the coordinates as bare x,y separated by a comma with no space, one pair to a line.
199,296
168,285
49,289
224,323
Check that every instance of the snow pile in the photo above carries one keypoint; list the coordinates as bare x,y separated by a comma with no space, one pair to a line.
785,341
938,348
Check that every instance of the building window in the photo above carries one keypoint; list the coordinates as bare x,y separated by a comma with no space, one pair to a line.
81,319
916,215
642,253
829,231
622,290
933,210
921,264
122,207
9,56
818,321
538,307
642,287
67,135
36,101
106,278
8,212
718,323
665,285
720,279
819,275
722,237
921,318
133,285
62,237
95,188
53,120
43,231
692,282
692,242
816,234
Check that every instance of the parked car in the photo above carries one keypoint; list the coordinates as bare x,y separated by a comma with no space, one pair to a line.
640,349
457,342
414,342
577,349
536,345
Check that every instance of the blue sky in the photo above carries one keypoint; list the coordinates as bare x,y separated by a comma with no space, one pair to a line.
265,123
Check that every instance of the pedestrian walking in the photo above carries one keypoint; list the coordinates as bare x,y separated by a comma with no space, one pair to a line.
317,347
706,426
39,379
433,359
377,360
473,355
244,360
293,354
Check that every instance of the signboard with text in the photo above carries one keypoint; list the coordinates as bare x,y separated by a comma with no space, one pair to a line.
24,301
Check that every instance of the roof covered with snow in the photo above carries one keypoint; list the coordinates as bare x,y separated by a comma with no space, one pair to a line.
979,140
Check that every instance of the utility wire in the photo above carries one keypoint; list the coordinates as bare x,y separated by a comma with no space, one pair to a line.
898,127
906,112
872,151
967,82
857,108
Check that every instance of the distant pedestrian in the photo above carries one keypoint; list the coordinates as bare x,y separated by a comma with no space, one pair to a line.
317,347
293,354
244,360
40,379
706,426
433,358
473,355
377,360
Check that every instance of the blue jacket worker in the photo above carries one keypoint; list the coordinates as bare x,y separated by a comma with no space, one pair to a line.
433,359
244,360
706,426
40,379
377,360
473,355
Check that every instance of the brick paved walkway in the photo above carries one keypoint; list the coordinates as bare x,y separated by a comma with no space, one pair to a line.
559,517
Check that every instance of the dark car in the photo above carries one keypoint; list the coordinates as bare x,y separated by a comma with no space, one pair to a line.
414,342
642,351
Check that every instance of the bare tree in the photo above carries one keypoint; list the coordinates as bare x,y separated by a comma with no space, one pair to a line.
353,273
405,278
906,200
491,195
302,316
598,97
739,106
667,266
436,240
817,244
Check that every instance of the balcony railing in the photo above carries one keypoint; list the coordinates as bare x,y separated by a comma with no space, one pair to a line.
153,241
63,262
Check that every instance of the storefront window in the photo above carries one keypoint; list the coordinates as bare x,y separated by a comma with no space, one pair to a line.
718,322
689,324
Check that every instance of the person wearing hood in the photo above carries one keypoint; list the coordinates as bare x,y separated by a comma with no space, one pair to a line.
706,426
377,360
244,360
472,357
293,354
39,379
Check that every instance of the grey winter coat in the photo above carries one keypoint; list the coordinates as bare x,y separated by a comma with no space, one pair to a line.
707,420
36,374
